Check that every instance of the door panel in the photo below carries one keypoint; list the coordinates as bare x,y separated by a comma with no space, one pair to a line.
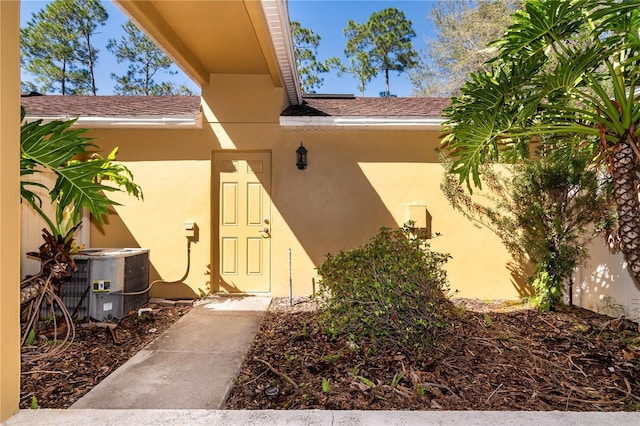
255,259
242,218
229,203
229,254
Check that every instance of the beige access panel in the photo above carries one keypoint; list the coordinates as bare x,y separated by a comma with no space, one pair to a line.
242,215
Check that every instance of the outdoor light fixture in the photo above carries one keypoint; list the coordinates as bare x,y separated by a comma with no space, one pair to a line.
301,157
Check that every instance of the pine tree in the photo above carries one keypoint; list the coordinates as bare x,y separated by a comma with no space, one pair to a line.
305,45
382,44
56,47
145,60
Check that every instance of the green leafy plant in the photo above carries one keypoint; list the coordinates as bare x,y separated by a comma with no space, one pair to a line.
387,294
83,178
333,357
396,379
366,381
565,76
544,211
31,337
56,147
34,402
326,387
487,319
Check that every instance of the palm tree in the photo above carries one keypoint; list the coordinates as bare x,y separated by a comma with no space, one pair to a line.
567,71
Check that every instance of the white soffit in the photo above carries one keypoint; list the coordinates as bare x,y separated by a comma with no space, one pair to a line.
361,123
277,16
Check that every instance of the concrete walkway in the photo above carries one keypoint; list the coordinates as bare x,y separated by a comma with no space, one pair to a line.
190,366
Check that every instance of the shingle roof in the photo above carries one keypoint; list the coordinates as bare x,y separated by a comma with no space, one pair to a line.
110,106
145,106
367,107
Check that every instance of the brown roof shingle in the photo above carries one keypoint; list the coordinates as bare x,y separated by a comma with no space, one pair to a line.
367,107
320,106
106,106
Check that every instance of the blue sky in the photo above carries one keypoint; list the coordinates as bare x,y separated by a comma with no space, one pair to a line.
329,17
325,17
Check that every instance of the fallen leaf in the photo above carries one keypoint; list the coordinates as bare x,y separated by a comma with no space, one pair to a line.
628,355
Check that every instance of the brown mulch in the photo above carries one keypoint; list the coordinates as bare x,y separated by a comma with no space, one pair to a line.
496,356
94,353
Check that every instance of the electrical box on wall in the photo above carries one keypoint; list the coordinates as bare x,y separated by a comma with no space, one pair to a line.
421,218
191,229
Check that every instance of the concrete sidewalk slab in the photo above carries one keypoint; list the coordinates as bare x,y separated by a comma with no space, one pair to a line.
190,366
317,417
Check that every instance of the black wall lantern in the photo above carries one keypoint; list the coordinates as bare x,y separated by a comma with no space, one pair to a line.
301,157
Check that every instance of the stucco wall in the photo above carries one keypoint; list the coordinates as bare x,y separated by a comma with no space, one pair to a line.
10,212
356,182
605,285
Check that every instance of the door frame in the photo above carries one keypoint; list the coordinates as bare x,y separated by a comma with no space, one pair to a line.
215,218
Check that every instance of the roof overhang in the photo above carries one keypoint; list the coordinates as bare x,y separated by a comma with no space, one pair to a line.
361,123
222,37
277,15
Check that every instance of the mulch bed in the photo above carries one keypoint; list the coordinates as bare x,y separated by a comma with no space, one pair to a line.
494,357
95,352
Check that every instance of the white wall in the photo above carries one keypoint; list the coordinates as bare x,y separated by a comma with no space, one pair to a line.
604,284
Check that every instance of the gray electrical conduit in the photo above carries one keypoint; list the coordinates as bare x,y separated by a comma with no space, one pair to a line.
178,281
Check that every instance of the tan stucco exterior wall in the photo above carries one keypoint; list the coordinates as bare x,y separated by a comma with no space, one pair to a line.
10,211
356,182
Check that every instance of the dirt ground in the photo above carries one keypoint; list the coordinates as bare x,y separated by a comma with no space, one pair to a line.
497,356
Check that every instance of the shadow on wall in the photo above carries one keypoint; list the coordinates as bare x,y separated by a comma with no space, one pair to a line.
334,204
520,271
329,206
605,285
121,236
355,183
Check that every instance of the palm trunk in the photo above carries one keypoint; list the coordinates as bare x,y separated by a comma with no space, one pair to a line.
30,291
625,193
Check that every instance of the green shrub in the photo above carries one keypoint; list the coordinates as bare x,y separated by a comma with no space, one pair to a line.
386,294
